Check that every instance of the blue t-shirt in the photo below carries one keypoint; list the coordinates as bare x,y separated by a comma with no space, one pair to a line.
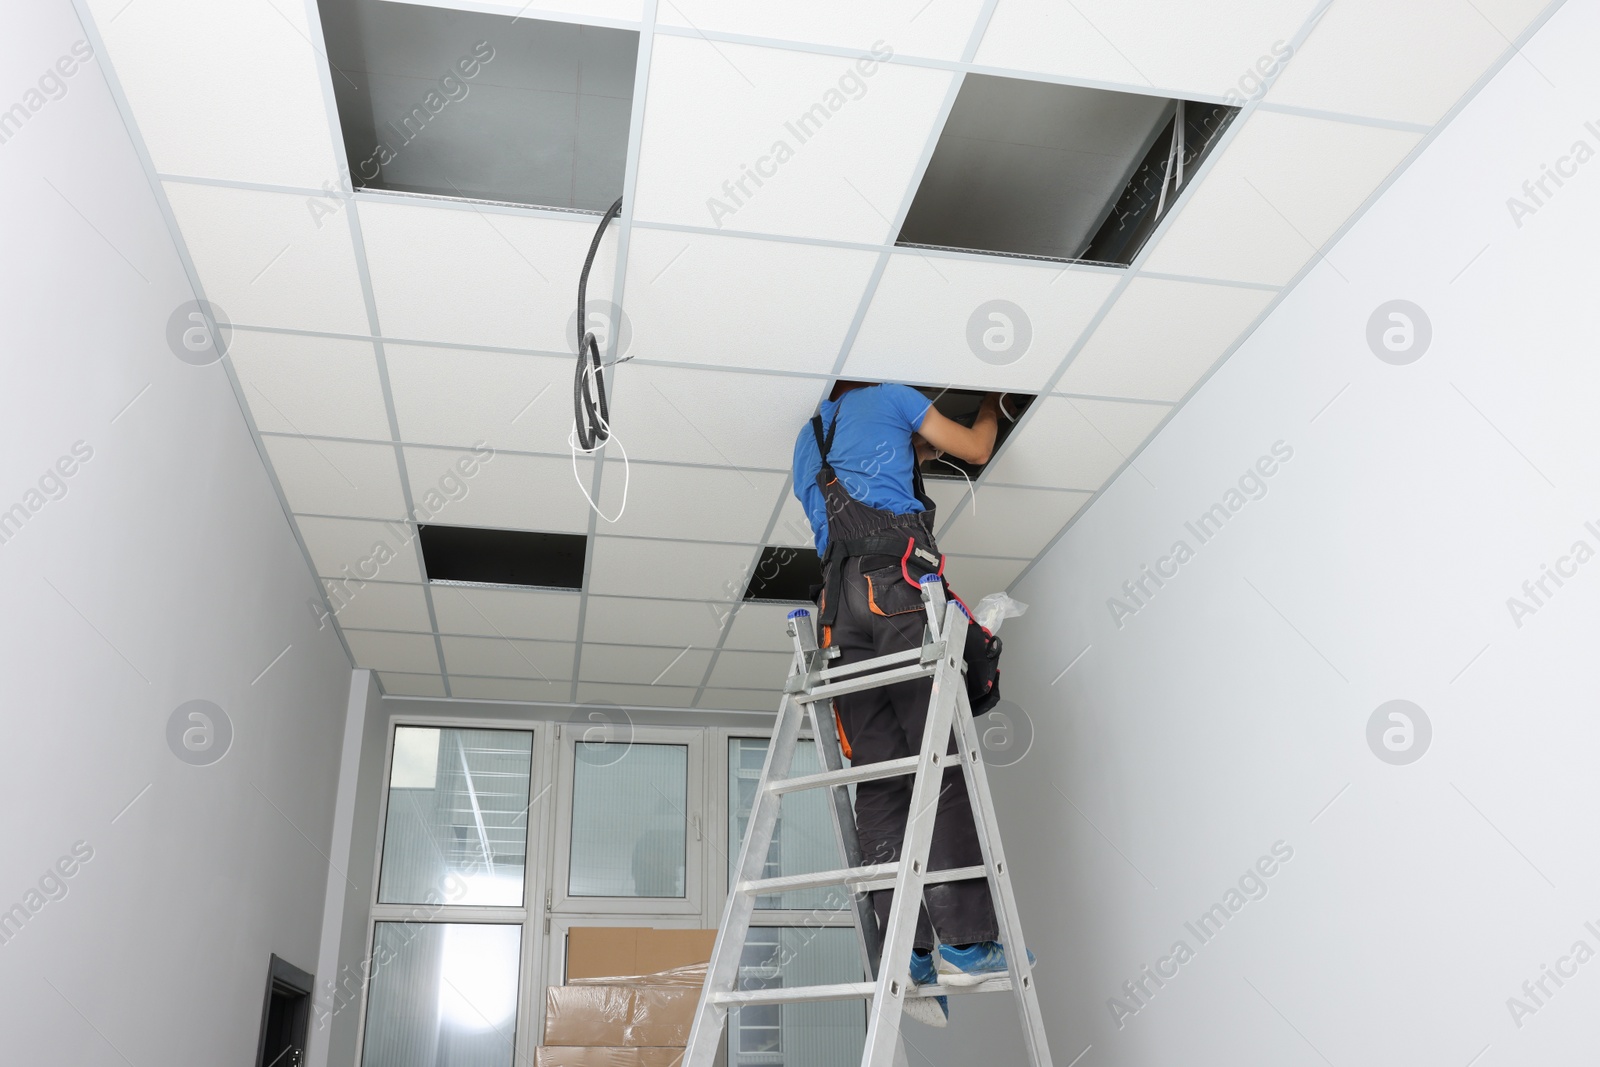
871,453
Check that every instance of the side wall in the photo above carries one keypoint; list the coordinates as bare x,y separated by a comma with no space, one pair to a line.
1235,714
145,563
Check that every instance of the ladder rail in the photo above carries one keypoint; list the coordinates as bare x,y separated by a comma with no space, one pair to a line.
842,815
975,772
726,952
894,973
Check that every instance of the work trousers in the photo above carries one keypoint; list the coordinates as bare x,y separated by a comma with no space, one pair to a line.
887,723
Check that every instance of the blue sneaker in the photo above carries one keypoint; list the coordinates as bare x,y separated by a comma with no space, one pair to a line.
931,1011
971,965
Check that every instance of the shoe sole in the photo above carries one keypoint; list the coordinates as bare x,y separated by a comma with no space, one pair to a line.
964,979
926,1011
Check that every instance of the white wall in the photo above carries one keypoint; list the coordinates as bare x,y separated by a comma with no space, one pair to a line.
1231,712
166,572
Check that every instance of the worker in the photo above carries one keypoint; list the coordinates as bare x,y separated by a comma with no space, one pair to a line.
857,473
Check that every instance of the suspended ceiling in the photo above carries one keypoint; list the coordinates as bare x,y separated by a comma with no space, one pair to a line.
379,337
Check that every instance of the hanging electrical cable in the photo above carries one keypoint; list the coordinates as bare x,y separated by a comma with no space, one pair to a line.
591,415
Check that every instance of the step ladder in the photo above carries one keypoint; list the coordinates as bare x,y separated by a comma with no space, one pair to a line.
887,958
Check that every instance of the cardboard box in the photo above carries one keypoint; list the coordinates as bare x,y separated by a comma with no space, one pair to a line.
619,1015
614,951
573,1056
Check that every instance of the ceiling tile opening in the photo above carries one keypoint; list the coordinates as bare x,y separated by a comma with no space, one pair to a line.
488,107
784,575
1057,172
962,406
467,555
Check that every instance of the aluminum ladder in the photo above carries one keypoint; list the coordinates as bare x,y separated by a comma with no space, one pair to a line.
886,956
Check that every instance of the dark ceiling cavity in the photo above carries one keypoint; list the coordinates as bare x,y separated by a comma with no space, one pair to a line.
962,406
479,106
1062,172
478,556
785,574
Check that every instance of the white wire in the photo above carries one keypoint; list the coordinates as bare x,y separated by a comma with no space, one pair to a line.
970,490
572,445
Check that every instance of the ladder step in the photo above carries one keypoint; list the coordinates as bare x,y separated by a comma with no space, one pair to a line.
796,994
829,690
865,773
850,991
859,879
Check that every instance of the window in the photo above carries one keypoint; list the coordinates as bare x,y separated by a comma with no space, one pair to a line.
448,926
443,995
798,1035
628,803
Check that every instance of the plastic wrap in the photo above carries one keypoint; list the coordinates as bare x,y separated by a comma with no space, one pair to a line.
574,1056
995,609
619,1015
692,974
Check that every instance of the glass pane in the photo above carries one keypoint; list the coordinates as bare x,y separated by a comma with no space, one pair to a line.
442,995
457,829
629,804
798,1035
803,840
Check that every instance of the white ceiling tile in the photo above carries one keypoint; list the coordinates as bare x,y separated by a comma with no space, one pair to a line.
752,670
683,415
503,491
1073,443
793,528
524,689
1161,337
380,606
938,30
691,503
353,549
491,612
1011,522
405,653
657,696
337,477
739,700
507,658
1205,48
191,70
1282,188
323,386
703,298
928,309
974,577
470,276
453,396
1409,61
630,620
762,628
639,665
625,566
949,495
264,261
719,113
412,685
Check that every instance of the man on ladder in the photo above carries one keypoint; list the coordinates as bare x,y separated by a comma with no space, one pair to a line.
857,474
893,687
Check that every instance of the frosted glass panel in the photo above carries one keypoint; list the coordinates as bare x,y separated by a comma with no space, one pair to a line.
457,829
804,839
628,816
798,1035
442,995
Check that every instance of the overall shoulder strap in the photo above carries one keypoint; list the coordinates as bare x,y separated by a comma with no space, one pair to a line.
824,443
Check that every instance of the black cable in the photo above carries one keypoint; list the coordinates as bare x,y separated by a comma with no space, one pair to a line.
590,414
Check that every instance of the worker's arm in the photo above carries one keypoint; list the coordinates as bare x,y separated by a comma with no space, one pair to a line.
974,445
